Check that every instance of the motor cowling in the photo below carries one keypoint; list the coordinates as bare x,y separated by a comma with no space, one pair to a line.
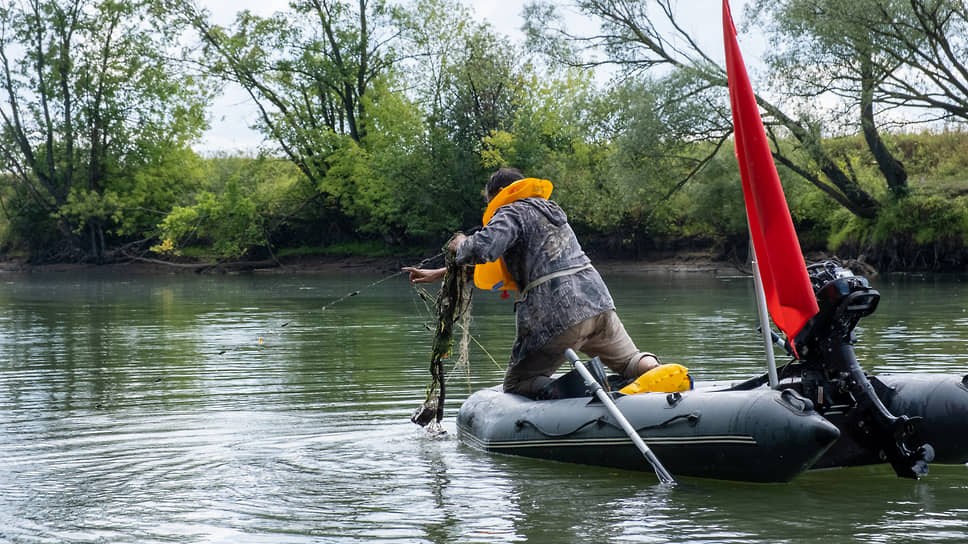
843,299
831,375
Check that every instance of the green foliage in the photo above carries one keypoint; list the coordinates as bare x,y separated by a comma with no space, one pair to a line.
407,196
131,205
310,71
229,222
848,230
924,220
382,126
94,113
24,224
654,151
553,136
917,232
235,206
938,162
712,206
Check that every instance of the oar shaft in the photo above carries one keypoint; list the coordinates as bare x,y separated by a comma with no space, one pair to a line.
660,471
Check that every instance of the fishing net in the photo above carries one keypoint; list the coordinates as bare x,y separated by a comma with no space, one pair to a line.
453,305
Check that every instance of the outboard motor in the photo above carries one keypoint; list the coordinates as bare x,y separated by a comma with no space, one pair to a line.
834,381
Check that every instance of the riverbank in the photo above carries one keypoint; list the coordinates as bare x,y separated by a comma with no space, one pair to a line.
685,263
682,262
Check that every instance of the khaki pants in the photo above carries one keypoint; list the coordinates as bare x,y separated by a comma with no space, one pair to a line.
601,336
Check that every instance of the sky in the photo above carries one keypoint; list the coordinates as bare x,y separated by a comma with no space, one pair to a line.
233,112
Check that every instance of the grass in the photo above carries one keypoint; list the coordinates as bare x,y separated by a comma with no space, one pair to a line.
947,187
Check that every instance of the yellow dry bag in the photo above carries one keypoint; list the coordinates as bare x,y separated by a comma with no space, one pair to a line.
669,378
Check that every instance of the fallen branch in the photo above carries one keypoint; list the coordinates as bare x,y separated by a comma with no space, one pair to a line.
207,266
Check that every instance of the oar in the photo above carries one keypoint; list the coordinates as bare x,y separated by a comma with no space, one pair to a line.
660,471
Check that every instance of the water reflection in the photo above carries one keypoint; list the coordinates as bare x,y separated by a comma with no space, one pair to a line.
236,409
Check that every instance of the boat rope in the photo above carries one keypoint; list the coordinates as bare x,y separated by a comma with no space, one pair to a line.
789,370
522,422
453,304
692,418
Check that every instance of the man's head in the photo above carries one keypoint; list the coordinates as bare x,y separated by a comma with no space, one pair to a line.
501,179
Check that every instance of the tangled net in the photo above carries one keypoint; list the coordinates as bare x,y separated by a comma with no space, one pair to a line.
453,305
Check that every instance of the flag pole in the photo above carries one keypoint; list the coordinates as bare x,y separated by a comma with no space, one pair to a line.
783,288
764,318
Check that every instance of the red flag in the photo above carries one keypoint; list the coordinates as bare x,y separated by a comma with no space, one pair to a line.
789,295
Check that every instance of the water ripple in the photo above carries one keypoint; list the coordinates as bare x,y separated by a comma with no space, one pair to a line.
234,410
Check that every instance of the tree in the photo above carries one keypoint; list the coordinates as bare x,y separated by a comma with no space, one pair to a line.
308,70
879,56
825,48
319,75
241,206
89,100
469,82
646,36
923,47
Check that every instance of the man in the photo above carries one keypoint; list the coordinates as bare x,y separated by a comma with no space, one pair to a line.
562,301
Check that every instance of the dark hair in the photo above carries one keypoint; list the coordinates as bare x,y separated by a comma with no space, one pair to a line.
501,179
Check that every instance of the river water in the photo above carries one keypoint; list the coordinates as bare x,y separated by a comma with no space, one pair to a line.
237,409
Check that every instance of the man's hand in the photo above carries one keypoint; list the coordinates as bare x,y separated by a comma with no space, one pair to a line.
455,242
430,275
421,275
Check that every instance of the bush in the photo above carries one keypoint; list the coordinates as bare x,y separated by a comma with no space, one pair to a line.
926,232
229,223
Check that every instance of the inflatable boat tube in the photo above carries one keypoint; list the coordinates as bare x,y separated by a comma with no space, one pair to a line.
760,436
940,400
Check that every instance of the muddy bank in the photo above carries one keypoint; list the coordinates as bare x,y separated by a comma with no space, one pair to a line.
666,263
671,264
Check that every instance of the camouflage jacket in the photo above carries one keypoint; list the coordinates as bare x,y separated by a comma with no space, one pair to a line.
536,242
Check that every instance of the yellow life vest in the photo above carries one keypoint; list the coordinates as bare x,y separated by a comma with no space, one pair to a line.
670,378
494,276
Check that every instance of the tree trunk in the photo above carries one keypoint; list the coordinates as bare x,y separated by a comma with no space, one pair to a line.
894,172
862,203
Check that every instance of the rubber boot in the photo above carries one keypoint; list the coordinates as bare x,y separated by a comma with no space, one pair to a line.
571,385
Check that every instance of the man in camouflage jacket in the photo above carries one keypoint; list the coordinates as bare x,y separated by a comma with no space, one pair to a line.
563,302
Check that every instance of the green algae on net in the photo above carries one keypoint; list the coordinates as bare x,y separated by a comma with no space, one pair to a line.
453,304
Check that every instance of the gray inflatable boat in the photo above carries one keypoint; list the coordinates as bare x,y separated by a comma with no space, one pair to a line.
824,412
762,436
